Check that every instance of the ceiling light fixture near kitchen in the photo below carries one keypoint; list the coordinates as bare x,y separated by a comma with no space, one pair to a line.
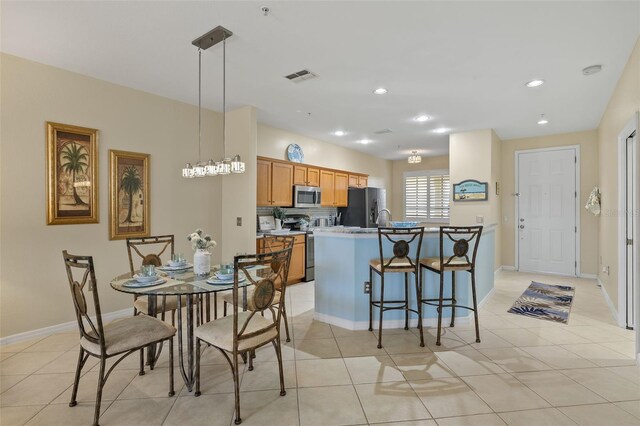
414,158
364,141
543,120
380,91
226,165
440,130
339,133
593,69
421,118
534,83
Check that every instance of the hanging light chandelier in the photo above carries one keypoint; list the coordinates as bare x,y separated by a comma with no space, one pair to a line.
226,165
414,158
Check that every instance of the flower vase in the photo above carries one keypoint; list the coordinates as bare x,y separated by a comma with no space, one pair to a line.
278,224
201,262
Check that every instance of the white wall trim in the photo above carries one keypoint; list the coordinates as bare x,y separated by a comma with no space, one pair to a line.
612,308
576,148
497,271
589,276
60,328
508,268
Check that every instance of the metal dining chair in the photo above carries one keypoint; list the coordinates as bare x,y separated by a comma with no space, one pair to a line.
245,331
463,239
120,337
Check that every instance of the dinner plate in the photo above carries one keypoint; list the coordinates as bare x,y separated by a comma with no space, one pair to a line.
145,279
175,268
217,281
294,153
136,284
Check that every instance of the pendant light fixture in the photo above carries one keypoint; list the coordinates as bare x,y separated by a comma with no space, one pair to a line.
226,165
414,158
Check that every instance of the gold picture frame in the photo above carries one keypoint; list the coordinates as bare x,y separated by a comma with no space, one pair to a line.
129,214
72,174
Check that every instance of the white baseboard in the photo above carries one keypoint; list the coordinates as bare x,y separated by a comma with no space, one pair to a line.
589,276
497,271
61,328
612,308
508,268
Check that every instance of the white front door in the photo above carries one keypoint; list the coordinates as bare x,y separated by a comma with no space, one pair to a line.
546,213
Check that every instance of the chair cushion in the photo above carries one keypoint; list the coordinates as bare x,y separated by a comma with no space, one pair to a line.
130,333
228,297
398,265
456,264
171,304
219,333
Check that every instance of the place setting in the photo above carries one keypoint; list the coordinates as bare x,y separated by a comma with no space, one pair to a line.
177,263
147,277
224,276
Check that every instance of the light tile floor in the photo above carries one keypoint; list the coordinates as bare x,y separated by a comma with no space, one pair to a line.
525,372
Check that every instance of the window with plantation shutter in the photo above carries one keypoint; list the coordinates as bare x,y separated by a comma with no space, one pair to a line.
426,196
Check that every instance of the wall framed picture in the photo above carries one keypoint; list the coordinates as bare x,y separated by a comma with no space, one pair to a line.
470,190
72,174
129,214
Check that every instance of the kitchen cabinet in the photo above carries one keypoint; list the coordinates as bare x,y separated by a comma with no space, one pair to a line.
307,176
327,187
341,189
297,268
358,181
275,183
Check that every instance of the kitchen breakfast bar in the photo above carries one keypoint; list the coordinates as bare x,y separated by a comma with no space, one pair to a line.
342,257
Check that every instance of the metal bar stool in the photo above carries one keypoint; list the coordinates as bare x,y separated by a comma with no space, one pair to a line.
462,237
401,261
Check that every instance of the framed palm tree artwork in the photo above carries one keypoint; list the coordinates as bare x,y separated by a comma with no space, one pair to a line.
129,195
72,174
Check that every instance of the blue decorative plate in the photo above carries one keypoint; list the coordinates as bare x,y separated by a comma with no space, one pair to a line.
294,153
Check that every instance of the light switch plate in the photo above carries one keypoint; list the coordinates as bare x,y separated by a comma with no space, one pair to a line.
238,221
479,219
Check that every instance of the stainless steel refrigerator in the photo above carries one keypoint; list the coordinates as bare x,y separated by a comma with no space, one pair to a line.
364,207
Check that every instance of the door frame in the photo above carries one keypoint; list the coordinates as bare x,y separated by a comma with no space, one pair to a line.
577,210
631,127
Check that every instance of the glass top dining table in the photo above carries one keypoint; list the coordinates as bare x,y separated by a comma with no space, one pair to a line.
189,288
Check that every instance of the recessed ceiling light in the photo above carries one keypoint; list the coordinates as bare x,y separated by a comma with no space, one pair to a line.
364,141
421,118
339,133
380,91
542,120
440,130
534,83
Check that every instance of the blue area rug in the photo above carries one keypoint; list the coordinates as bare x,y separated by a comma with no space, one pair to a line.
545,301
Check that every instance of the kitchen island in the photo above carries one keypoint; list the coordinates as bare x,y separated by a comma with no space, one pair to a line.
342,258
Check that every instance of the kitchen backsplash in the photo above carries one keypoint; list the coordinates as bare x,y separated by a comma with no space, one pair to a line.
317,213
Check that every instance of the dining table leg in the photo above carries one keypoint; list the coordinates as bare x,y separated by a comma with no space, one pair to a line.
153,351
187,369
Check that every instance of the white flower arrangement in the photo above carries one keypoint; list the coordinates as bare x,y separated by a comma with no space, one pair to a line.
200,242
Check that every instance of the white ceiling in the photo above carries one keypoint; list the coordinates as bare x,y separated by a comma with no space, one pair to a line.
463,63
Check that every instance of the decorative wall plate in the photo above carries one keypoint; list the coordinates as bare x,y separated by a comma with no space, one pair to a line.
294,153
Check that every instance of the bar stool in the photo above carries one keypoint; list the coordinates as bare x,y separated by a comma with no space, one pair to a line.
401,261
462,237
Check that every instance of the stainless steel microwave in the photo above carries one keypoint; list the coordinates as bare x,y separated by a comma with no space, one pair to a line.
306,196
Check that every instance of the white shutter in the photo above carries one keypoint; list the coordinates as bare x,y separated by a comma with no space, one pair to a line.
426,197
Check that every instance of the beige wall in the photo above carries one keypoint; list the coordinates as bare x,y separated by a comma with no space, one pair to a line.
396,196
624,102
588,179
273,142
239,191
33,284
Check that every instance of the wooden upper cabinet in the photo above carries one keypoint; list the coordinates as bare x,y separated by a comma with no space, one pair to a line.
264,183
299,175
341,192
313,177
358,181
327,187
281,184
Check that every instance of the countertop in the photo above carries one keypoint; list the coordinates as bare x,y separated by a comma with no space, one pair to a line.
262,234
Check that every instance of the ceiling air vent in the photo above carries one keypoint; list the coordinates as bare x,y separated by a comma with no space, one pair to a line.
383,131
300,76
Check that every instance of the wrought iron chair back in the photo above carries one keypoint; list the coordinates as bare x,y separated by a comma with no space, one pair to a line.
82,267
465,239
401,238
275,268
159,244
